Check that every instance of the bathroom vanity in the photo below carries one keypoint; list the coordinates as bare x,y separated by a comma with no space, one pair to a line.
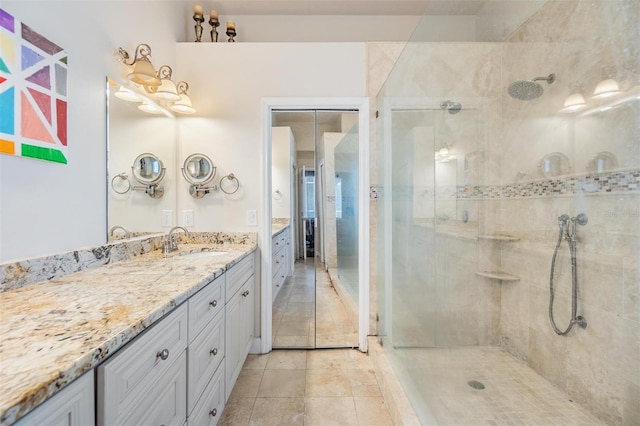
159,337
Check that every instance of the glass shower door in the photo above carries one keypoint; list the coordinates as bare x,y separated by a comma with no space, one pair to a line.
413,271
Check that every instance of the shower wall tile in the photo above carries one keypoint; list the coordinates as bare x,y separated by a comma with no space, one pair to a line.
601,281
631,288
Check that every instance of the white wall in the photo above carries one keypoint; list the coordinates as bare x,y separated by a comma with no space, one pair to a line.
46,207
228,83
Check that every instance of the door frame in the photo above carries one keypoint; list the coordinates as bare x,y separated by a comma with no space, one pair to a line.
268,105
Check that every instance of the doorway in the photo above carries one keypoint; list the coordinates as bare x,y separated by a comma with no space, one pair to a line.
323,300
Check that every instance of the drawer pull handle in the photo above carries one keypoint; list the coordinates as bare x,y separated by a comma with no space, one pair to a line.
214,303
213,412
163,354
245,293
213,351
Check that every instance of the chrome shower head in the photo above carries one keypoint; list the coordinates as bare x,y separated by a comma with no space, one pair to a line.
527,90
451,107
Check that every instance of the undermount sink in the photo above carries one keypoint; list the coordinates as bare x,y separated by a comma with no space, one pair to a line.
204,254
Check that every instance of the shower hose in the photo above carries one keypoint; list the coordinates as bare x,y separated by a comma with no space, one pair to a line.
571,239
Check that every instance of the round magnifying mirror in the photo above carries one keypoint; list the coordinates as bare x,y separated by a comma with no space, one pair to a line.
148,168
554,164
198,169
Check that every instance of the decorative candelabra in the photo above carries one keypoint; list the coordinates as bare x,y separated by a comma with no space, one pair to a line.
215,23
199,18
231,31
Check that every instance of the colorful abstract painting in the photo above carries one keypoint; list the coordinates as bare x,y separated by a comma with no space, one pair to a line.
33,93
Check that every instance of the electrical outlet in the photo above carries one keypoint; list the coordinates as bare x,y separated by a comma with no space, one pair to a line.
252,218
187,218
166,218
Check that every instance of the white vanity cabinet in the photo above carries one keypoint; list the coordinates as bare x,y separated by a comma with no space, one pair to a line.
239,312
72,406
280,260
147,379
205,392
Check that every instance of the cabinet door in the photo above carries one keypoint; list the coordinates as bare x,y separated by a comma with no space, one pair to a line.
129,375
234,341
166,402
247,308
72,406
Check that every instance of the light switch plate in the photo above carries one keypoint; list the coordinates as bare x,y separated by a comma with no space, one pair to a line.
166,218
187,218
252,218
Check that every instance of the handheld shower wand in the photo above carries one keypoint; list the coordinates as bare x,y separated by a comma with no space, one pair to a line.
568,230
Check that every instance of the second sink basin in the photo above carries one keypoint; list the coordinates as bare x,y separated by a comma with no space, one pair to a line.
204,254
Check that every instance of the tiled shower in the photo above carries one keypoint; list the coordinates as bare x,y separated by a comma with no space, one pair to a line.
471,182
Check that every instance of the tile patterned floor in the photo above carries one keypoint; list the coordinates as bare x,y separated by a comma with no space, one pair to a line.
307,387
514,394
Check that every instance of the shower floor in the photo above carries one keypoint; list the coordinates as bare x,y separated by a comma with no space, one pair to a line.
436,383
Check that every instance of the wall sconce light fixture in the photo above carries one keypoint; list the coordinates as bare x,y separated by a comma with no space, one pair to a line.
167,90
183,105
143,72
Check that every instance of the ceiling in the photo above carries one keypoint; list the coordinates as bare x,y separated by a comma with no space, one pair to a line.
346,7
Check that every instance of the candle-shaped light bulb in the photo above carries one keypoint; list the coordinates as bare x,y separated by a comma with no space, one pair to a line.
213,15
231,25
197,9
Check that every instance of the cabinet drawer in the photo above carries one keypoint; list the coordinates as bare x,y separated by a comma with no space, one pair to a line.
131,373
205,305
208,410
238,274
279,241
166,403
205,355
279,259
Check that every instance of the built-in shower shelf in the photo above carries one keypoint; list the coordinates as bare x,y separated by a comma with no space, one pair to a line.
498,275
498,237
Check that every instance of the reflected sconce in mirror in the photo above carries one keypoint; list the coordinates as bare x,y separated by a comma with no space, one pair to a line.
183,105
575,101
127,95
198,170
148,171
143,72
606,88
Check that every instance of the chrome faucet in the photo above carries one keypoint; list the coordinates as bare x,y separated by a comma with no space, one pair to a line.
171,243
127,234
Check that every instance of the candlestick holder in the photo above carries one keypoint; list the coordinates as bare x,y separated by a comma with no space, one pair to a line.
198,27
231,33
214,29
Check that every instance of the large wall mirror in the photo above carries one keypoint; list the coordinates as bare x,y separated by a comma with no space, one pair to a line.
141,155
315,192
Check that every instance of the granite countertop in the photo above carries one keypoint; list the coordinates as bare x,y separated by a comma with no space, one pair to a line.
54,331
278,227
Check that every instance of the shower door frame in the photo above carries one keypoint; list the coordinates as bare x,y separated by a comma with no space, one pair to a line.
268,105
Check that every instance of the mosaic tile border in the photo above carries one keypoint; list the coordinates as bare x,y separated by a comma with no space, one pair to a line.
600,183
620,181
